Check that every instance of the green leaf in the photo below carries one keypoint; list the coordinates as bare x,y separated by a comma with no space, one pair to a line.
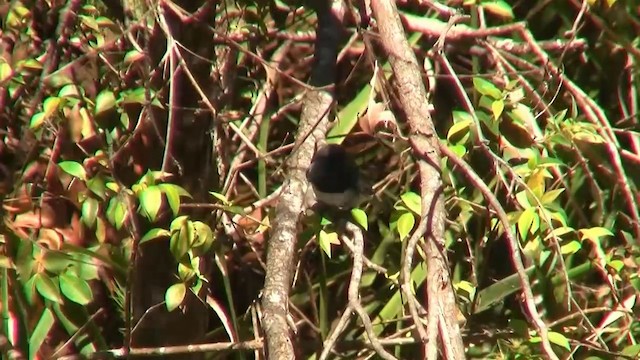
40,332
559,339
51,105
484,87
220,197
151,201
154,234
497,107
47,287
203,237
104,101
173,193
594,233
499,8
550,196
97,186
75,288
571,248
37,120
73,168
116,212
180,242
458,131
175,295
413,202
360,217
90,207
406,222
133,56
559,232
178,223
55,261
5,72
325,240
526,221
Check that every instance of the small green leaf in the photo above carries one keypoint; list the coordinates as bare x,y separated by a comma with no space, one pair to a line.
526,221
5,72
220,197
325,240
203,237
571,248
413,202
406,222
40,332
360,217
55,261
484,87
97,186
497,107
173,193
116,212
550,196
175,295
151,201
75,288
179,243
37,120
178,223
154,234
47,287
51,105
74,169
594,233
90,207
104,101
559,232
559,339
133,56
499,8
458,131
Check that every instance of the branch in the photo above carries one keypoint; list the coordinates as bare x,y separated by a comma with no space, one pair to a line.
424,142
282,244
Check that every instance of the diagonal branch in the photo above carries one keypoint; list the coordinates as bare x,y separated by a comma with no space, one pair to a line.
282,244
424,142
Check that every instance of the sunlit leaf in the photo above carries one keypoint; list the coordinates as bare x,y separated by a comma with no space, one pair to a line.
40,332
175,295
47,287
151,201
154,234
485,87
360,217
412,201
75,288
74,169
90,207
406,222
570,248
594,233
500,8
105,101
325,240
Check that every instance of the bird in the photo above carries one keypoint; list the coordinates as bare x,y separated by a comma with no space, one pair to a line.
334,177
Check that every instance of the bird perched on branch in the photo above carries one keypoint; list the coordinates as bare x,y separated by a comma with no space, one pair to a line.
335,177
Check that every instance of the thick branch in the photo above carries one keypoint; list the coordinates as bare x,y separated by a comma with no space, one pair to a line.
413,99
282,244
